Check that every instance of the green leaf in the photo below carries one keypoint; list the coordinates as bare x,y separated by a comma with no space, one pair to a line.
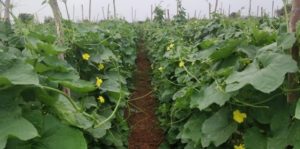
111,85
50,48
266,79
12,124
65,110
191,129
59,136
18,73
226,50
207,96
286,40
101,55
218,128
254,139
54,134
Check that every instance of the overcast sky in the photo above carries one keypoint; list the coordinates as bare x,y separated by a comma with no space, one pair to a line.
142,7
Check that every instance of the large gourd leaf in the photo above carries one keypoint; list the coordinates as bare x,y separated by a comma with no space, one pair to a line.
265,74
191,129
58,136
65,110
53,134
12,124
218,128
19,73
207,96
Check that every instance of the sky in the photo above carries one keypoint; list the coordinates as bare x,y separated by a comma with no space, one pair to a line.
142,8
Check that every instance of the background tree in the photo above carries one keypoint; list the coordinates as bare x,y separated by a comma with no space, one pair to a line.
67,10
158,14
26,17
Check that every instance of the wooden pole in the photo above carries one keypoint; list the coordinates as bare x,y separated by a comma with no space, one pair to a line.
108,12
168,14
66,7
6,12
90,10
229,10
195,14
250,6
273,8
177,8
293,79
103,13
257,11
216,6
74,12
209,10
151,13
82,12
261,11
135,14
132,19
59,31
0,12
115,11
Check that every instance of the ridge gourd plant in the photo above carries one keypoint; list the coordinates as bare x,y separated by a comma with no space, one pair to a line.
220,83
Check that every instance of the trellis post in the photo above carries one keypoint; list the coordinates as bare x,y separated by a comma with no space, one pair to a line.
293,79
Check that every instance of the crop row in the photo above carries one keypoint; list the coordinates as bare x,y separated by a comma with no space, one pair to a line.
221,83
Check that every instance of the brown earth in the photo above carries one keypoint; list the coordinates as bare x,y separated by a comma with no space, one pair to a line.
144,128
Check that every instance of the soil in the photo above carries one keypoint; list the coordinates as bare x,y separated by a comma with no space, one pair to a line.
144,127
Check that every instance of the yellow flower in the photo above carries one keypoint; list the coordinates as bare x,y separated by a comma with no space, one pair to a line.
86,56
98,82
181,64
241,146
239,117
170,47
101,99
161,69
101,66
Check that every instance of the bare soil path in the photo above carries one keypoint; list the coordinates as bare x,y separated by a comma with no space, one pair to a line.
144,128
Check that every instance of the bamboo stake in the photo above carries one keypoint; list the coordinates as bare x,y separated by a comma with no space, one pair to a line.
151,13
229,10
6,12
272,8
209,10
73,12
59,31
0,12
103,13
257,11
66,7
90,10
108,12
168,14
293,79
115,11
216,6
250,6
82,12
132,19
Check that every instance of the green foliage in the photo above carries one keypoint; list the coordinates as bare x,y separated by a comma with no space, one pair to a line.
158,14
216,67
26,18
36,114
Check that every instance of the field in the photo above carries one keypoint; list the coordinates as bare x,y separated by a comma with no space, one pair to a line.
218,83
